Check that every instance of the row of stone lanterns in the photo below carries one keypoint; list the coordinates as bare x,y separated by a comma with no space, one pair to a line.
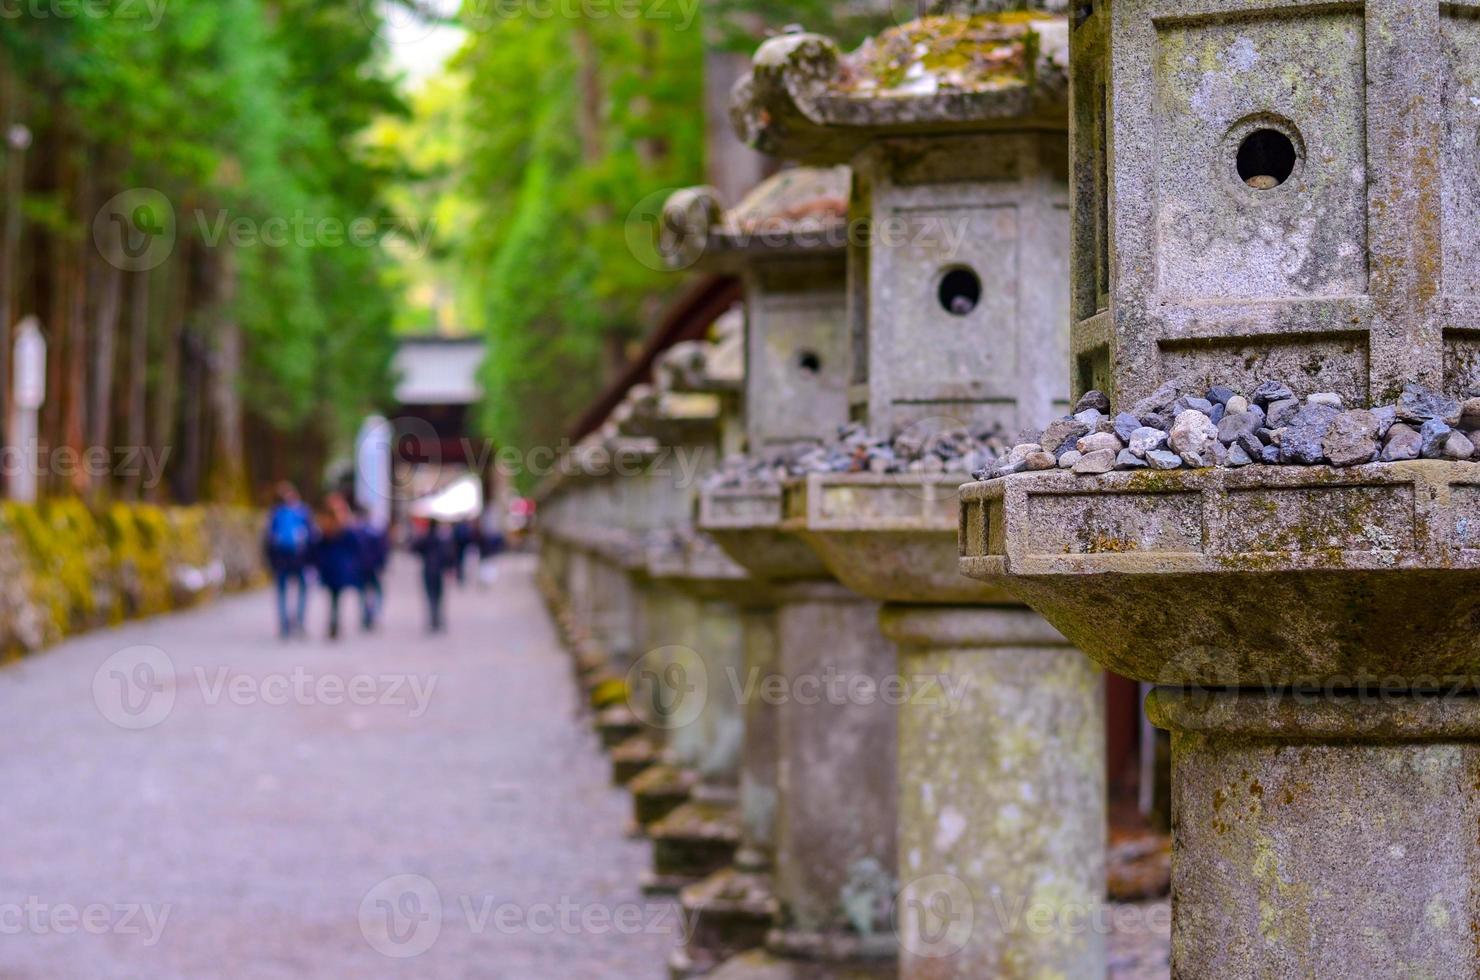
921,296
959,320
1270,235
821,772
810,828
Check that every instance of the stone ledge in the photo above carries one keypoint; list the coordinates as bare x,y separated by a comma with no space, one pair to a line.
619,547
1262,576
698,563
746,523
1382,516
740,508
871,502
887,537
1377,717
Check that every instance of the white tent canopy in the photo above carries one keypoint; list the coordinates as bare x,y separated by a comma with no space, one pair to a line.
460,500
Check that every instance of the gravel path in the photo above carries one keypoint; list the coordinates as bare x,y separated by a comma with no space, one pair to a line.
387,806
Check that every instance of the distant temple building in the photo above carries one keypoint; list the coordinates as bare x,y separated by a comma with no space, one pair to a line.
432,439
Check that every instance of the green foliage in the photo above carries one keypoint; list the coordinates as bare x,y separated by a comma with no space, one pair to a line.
573,123
437,211
608,112
250,111
731,24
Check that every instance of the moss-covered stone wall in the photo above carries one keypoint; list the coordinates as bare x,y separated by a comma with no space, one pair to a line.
66,568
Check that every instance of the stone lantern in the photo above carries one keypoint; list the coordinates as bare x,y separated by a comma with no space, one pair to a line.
786,242
574,542
1279,199
693,618
956,131
816,779
592,568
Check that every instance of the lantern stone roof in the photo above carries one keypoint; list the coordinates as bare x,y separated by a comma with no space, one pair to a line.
805,100
707,366
803,210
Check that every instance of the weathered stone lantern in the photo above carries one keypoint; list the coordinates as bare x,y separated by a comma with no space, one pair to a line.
577,538
1282,194
955,128
695,625
656,508
816,779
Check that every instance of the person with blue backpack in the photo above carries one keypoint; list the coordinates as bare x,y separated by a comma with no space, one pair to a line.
289,545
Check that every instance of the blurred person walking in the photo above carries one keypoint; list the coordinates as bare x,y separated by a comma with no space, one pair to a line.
463,535
339,556
437,550
374,554
288,545
491,544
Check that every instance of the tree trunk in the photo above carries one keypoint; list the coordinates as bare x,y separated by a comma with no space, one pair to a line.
61,258
136,400
588,113
49,424
74,404
227,473
731,166
166,400
195,354
104,344
192,429
10,236
650,149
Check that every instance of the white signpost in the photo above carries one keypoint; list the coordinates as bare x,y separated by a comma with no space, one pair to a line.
28,386
373,470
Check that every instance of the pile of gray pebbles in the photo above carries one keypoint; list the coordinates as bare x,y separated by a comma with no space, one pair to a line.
956,450
1171,430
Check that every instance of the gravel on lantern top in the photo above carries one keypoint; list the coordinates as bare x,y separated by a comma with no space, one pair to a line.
1270,425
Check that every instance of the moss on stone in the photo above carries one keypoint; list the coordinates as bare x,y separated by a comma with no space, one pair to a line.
975,53
609,693
67,568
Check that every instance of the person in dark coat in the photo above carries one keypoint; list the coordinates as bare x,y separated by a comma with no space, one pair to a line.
434,546
374,554
463,534
288,545
491,544
339,556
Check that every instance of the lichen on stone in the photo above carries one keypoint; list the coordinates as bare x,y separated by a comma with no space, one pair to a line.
963,54
65,568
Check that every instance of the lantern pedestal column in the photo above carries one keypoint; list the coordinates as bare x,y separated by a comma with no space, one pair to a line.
1323,836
